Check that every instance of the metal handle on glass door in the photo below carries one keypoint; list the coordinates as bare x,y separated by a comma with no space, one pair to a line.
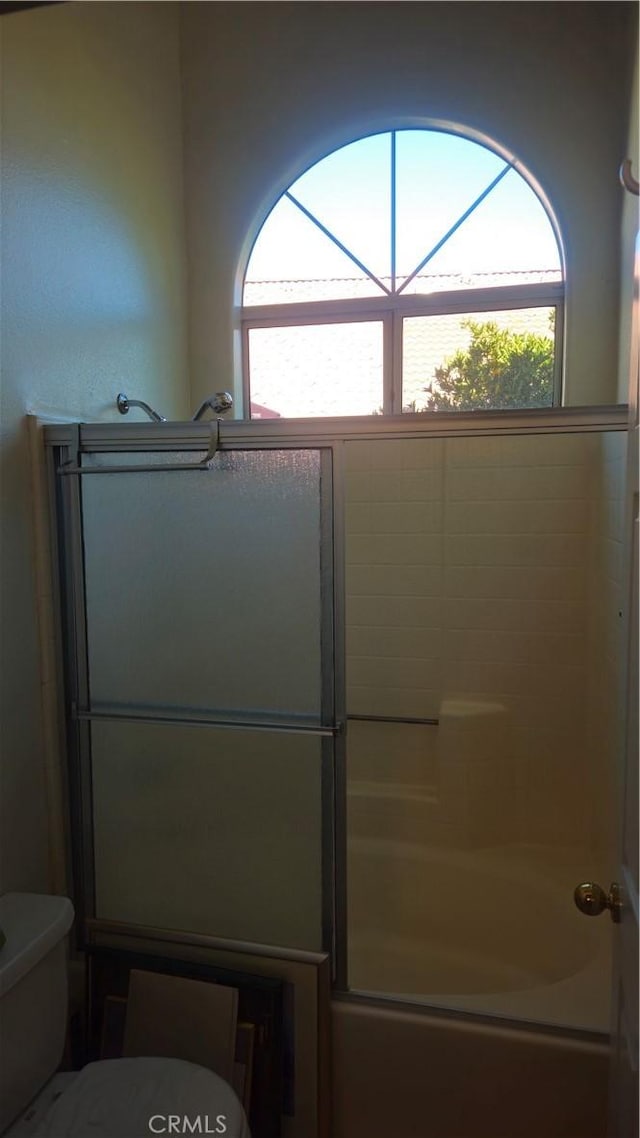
592,900
627,179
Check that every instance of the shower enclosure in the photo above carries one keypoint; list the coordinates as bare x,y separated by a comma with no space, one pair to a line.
201,696
482,623
350,686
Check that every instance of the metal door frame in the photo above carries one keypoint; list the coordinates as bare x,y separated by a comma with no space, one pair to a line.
67,443
66,447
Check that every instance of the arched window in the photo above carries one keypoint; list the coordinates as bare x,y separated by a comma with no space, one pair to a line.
412,270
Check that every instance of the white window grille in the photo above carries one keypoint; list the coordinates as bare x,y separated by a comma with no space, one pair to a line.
392,275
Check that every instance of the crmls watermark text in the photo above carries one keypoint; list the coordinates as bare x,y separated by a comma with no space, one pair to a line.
182,1124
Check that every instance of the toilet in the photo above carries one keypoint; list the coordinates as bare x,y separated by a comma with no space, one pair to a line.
113,1098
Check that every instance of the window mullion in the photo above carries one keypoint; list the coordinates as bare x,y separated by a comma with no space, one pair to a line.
246,372
387,363
412,304
558,370
392,219
478,300
396,361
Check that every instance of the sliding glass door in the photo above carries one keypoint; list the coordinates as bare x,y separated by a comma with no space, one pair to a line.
201,693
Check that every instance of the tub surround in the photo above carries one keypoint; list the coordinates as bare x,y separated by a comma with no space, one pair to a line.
489,931
398,1072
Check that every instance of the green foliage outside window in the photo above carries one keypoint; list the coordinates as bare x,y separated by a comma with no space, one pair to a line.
500,370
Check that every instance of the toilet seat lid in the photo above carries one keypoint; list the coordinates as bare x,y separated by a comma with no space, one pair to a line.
133,1098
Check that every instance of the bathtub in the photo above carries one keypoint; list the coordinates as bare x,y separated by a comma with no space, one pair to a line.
399,1073
489,931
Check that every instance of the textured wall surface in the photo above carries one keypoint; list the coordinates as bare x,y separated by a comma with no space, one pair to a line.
271,88
92,296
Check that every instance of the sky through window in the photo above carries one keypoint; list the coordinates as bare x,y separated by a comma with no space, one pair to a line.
438,176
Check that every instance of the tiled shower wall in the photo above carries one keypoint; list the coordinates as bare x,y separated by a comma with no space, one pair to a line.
480,585
605,694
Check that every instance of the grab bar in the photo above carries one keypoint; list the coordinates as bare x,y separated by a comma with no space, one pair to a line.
395,719
147,468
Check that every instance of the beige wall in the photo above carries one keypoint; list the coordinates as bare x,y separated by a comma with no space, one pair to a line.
629,231
270,88
92,295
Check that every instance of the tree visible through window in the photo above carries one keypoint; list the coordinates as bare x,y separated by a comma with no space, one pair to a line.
410,271
500,369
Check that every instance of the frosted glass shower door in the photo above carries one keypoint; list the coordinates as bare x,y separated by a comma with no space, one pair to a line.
209,616
203,588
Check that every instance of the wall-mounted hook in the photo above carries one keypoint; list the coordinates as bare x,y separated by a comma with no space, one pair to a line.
627,179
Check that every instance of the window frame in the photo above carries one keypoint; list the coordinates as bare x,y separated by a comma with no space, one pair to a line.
395,304
391,311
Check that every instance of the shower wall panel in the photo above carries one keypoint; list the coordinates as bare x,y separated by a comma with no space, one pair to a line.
482,593
468,591
394,566
516,598
605,696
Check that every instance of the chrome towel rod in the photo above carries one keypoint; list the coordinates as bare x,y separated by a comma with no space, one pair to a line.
145,468
285,726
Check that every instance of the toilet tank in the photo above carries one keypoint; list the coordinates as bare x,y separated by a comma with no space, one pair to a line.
33,995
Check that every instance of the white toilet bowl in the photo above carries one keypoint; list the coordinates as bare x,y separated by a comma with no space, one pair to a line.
114,1098
134,1098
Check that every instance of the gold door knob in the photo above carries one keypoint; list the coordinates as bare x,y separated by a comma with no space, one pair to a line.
592,900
